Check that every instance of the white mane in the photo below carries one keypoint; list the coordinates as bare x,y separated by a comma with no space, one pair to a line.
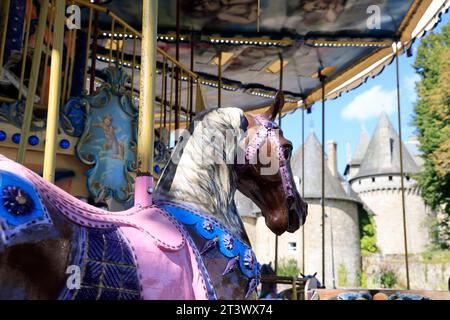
200,172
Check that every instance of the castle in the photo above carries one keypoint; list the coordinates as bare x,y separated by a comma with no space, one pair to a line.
371,184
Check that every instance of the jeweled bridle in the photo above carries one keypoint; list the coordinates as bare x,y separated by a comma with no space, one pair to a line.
265,133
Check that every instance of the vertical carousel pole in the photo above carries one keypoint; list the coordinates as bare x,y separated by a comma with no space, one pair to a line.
177,70
219,76
88,49
5,17
54,94
144,179
191,80
94,52
405,239
34,77
322,81
279,123
303,187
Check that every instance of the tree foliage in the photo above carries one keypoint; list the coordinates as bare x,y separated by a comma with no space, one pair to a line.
368,240
432,119
288,268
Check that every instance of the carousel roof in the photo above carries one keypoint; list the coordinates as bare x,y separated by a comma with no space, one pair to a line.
349,40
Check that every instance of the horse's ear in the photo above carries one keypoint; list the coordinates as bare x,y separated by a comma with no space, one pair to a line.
270,263
302,275
276,107
314,274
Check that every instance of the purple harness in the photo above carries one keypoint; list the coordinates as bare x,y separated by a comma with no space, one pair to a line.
267,133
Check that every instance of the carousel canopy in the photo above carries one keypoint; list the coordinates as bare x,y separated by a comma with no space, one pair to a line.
344,40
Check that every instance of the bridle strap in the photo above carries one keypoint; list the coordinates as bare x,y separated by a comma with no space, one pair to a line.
267,133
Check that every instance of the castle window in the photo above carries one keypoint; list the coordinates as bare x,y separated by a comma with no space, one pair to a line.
292,246
390,178
373,179
407,178
359,181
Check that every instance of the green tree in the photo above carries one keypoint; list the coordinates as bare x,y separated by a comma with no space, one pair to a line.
432,119
288,268
367,231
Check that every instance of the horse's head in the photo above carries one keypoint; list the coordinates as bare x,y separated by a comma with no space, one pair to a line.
266,177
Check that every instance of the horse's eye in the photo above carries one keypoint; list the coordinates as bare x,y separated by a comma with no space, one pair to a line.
287,153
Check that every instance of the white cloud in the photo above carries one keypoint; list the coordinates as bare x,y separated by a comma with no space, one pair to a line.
370,104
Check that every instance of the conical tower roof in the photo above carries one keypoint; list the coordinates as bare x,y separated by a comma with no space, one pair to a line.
361,147
383,155
313,172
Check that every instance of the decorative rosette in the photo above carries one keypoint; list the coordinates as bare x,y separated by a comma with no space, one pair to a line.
16,201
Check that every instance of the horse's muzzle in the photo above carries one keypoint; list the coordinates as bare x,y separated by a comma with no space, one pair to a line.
297,212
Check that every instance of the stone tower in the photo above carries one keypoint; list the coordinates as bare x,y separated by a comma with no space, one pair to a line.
342,249
377,183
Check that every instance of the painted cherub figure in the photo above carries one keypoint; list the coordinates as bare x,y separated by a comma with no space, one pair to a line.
112,143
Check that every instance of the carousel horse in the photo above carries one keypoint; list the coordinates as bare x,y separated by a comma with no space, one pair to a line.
183,240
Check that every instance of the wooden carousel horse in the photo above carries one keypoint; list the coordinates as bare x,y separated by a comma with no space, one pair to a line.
185,240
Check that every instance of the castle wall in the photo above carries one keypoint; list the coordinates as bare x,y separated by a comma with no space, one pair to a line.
426,274
383,197
342,215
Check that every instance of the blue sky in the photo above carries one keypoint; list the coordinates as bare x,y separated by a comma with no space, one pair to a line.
346,115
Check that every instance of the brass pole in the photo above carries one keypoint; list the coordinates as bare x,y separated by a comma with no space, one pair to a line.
133,64
147,87
72,64
48,44
112,42
191,80
177,72
94,52
88,49
165,65
26,34
405,239
172,94
162,108
122,57
322,80
5,18
280,55
34,78
219,72
66,66
279,122
54,92
303,187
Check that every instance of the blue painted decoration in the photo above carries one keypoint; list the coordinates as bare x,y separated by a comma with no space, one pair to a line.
3,135
16,138
72,116
230,246
33,140
108,268
19,202
64,144
108,142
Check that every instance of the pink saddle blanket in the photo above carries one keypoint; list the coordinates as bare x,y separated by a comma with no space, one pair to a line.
168,264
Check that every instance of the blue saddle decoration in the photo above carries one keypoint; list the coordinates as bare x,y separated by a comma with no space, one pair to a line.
230,246
23,217
108,269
